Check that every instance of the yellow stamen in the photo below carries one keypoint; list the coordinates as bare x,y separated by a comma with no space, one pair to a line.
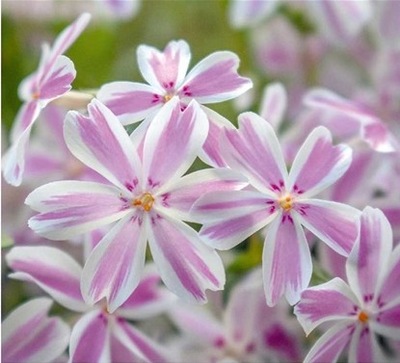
145,201
36,95
286,202
167,97
363,316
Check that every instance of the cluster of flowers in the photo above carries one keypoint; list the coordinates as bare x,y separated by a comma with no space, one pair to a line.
153,261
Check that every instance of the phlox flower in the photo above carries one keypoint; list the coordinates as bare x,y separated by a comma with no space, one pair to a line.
147,196
283,201
29,335
368,305
50,81
244,330
97,336
214,79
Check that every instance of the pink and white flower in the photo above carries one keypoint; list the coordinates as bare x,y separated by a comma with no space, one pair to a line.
29,335
111,337
214,79
148,197
246,330
51,80
284,201
368,304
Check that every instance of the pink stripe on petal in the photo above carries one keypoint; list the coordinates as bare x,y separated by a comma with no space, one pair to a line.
335,224
331,344
215,79
173,140
390,318
254,150
27,115
58,80
287,265
70,208
378,136
114,268
318,163
44,338
369,258
191,187
364,346
131,102
149,349
101,142
90,338
186,265
388,292
332,300
164,69
52,270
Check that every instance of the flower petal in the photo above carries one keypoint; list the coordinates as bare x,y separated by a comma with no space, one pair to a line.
249,13
198,322
332,300
148,299
287,265
191,187
52,270
318,163
254,151
115,266
388,292
368,260
28,335
336,224
229,217
387,322
140,345
187,266
130,101
56,81
364,346
215,79
101,142
273,104
166,69
90,339
331,344
212,154
69,208
173,140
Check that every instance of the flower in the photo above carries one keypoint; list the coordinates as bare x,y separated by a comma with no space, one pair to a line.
110,336
51,80
214,79
281,200
368,304
148,197
29,335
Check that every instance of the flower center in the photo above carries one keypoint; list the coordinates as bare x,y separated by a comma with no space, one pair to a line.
145,201
286,202
363,316
168,97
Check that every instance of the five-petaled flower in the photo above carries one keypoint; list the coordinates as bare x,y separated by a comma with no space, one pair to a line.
148,197
281,200
369,304
214,79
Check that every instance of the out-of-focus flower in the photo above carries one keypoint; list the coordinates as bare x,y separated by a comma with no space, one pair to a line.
247,331
29,335
149,198
214,79
282,200
52,79
98,336
368,304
